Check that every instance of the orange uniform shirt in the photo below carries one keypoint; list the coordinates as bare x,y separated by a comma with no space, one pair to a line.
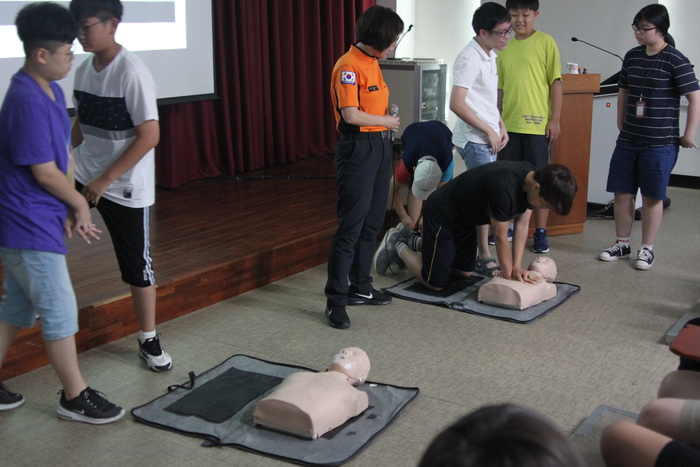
357,82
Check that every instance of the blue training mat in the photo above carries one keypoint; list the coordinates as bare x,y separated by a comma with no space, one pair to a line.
462,296
217,405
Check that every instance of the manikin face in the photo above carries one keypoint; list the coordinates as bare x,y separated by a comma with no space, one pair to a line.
544,266
353,363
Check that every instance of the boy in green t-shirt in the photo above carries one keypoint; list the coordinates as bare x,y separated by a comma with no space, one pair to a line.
529,97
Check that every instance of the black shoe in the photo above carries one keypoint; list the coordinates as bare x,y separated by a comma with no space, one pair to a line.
373,298
88,407
8,399
337,317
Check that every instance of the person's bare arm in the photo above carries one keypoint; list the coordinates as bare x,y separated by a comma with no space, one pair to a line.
691,124
622,97
467,115
57,184
553,130
147,137
357,117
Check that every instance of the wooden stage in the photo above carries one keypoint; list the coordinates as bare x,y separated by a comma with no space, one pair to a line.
210,240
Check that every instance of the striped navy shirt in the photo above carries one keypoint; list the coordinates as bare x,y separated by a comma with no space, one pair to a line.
660,84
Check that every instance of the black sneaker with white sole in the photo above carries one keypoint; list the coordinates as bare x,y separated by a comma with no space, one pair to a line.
8,399
156,358
337,317
89,407
373,298
615,252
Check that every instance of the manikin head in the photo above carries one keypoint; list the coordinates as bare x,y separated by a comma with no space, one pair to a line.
353,363
546,267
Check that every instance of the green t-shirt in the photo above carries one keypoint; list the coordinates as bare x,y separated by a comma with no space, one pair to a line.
526,69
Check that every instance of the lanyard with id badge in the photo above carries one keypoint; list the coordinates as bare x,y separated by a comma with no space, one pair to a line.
640,108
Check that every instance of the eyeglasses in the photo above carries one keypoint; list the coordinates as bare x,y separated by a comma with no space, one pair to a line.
85,28
69,54
638,30
504,33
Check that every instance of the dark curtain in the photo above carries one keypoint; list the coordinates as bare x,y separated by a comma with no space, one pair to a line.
274,59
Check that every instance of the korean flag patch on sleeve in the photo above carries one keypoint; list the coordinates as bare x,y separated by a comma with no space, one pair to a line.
347,77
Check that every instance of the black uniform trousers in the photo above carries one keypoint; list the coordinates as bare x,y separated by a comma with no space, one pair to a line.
363,166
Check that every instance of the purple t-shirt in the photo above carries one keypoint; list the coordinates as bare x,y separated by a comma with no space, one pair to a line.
34,129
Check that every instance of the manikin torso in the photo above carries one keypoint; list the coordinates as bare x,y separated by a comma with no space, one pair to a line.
310,404
520,295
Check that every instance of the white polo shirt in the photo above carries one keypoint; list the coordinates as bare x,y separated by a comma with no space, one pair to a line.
476,71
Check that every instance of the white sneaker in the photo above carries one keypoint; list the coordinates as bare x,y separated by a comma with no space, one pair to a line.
156,358
645,259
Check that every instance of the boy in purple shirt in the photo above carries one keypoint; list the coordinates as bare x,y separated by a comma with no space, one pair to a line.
38,204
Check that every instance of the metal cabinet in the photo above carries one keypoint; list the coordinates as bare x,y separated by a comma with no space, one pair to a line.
418,87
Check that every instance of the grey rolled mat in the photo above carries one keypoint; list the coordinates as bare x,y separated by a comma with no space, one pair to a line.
462,296
217,405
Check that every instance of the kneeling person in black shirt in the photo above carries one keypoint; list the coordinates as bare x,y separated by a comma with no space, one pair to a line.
489,194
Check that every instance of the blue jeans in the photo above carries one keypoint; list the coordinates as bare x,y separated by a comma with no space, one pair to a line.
476,154
37,283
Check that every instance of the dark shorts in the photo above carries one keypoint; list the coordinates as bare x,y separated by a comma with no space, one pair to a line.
129,229
677,454
534,149
445,250
644,167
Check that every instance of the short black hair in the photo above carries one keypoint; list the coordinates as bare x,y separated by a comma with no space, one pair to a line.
533,5
501,435
557,187
103,9
378,27
45,25
488,16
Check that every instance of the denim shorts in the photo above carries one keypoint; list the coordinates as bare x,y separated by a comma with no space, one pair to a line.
37,284
644,167
476,154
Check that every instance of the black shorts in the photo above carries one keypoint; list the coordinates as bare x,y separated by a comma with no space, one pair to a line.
534,149
677,454
445,250
129,229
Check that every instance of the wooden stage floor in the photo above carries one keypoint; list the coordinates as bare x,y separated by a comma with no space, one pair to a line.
210,240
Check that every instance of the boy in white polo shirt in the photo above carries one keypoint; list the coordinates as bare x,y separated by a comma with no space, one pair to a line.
480,132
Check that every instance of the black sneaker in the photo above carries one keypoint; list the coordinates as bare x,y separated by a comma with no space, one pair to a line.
373,298
8,399
156,358
615,252
88,407
337,317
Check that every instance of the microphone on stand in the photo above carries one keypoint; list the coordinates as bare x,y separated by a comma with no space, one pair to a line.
575,39
394,112
399,41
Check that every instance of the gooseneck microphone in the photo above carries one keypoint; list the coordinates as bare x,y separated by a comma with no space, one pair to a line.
394,112
575,39
400,39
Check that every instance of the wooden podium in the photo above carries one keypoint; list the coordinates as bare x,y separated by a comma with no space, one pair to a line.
573,149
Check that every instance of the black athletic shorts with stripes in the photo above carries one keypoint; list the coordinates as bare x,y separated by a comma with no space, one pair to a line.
129,229
445,250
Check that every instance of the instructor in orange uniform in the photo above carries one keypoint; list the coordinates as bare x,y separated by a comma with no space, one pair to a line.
363,163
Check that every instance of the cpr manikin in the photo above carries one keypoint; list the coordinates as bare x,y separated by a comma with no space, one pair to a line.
310,404
520,295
